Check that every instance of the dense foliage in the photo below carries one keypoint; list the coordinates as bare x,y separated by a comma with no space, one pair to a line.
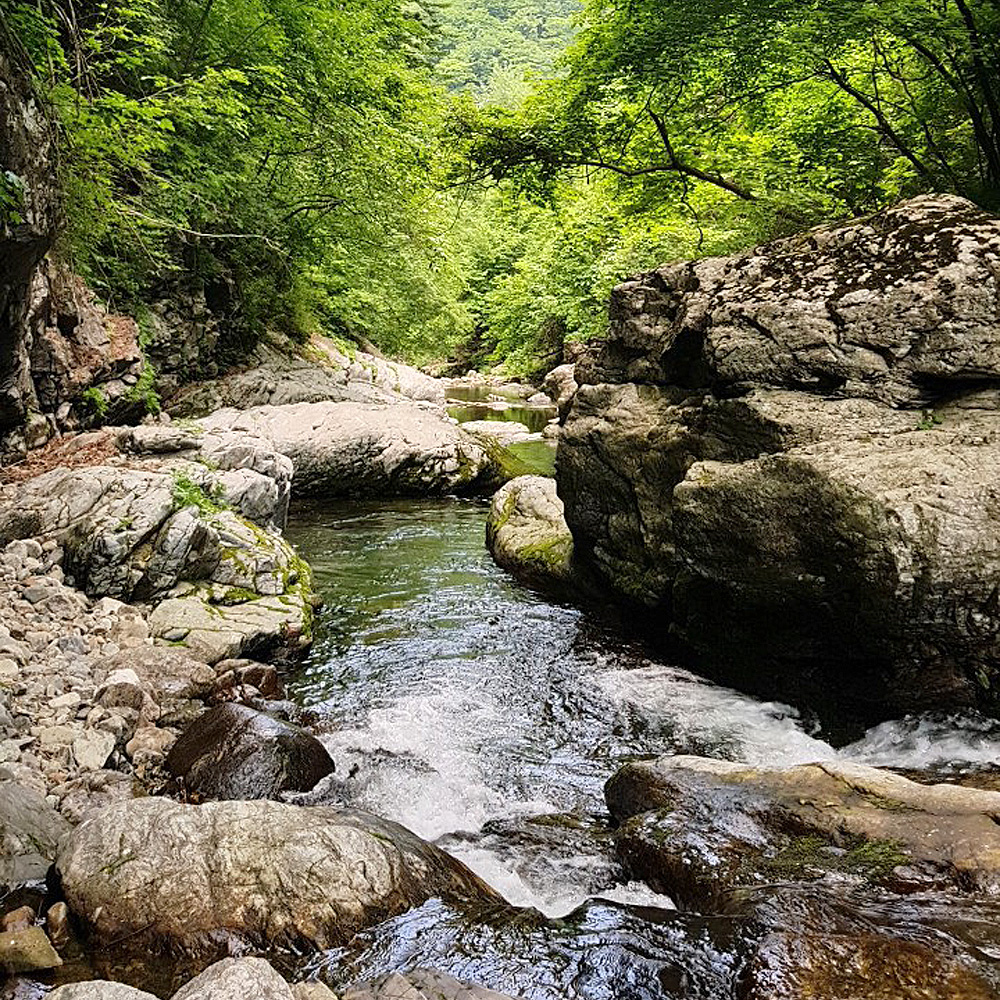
448,177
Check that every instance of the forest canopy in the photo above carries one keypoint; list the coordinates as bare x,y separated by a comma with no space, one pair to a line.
452,179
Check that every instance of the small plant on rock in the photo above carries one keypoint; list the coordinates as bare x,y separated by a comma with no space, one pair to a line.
187,493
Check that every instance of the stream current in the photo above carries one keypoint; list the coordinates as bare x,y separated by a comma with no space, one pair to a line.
487,718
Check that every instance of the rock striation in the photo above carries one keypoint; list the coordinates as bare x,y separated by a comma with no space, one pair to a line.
789,457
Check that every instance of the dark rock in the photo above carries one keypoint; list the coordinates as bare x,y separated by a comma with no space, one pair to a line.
233,752
747,463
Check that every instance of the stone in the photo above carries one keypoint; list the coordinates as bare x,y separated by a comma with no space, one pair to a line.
504,431
259,874
261,626
150,740
168,674
421,984
92,748
527,535
236,979
27,950
122,689
312,991
233,752
18,920
57,924
98,989
93,790
697,829
560,386
354,449
746,463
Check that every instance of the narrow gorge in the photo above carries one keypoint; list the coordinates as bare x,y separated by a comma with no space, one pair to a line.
660,663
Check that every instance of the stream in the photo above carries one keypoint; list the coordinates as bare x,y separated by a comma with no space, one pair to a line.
487,718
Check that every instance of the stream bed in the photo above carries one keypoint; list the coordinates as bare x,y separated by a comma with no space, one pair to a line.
487,719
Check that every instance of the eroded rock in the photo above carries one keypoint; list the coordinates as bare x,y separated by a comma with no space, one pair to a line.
156,872
527,533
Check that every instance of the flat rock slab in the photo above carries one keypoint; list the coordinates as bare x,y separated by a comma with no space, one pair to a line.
697,828
358,449
158,873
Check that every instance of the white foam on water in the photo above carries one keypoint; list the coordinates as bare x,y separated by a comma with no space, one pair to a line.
921,742
702,717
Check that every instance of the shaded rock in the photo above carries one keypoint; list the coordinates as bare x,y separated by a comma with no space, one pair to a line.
155,872
168,674
30,831
421,984
560,386
233,752
18,920
746,461
27,949
57,924
236,979
526,532
696,828
353,449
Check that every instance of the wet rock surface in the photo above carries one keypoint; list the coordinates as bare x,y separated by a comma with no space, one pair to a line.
233,752
421,984
184,877
788,456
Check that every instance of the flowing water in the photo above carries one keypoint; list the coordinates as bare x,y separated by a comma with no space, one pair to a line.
487,718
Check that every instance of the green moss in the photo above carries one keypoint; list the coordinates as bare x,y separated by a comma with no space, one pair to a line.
873,860
553,553
237,595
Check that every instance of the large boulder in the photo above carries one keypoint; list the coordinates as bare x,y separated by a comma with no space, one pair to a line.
560,385
234,752
152,872
30,831
788,457
357,449
527,535
146,534
698,829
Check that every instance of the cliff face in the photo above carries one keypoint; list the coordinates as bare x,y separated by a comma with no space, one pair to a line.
28,221
790,458
56,341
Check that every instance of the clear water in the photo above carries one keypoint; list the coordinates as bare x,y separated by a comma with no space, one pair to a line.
487,719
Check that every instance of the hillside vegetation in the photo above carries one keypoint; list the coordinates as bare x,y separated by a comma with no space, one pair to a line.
467,182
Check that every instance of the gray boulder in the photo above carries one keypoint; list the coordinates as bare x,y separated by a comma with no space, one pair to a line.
527,535
233,752
421,984
99,989
30,831
236,979
355,449
259,874
786,457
